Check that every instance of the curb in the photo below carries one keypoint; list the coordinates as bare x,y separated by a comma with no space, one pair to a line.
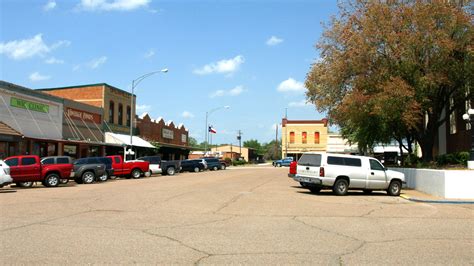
437,201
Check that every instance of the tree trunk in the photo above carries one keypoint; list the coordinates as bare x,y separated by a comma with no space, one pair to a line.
427,148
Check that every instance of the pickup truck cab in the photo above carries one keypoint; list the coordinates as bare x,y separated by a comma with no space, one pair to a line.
283,162
340,173
89,169
27,169
134,169
158,166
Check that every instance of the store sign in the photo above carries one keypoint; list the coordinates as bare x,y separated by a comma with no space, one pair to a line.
32,106
82,115
167,133
183,138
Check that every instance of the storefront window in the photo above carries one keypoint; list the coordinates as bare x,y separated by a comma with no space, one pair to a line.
93,151
70,150
52,149
120,114
3,150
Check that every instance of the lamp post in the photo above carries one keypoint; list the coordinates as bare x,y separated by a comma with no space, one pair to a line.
469,118
135,83
206,132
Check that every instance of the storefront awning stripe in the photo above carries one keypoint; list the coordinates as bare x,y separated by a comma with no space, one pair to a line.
125,139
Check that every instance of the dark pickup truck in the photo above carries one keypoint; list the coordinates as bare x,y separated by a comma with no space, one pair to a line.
158,166
87,170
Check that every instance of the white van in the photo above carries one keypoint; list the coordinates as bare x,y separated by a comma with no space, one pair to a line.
340,173
5,178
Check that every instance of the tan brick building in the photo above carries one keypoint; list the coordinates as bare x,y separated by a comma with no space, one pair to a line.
114,101
300,136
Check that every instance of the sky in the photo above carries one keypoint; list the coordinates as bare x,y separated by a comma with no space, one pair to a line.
250,55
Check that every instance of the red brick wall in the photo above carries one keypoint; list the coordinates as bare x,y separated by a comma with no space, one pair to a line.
150,130
92,95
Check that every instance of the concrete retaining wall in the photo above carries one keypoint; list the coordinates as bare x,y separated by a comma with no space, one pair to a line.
454,184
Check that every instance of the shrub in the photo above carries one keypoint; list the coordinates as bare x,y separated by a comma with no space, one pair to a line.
453,158
228,161
239,162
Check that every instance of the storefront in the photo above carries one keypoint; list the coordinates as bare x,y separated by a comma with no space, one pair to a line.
9,141
35,117
118,143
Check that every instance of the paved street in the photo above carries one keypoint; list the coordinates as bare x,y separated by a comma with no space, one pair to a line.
251,215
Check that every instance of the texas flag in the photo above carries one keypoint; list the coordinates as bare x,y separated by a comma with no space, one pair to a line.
212,130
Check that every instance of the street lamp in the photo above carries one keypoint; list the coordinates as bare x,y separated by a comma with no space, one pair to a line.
469,118
207,126
135,83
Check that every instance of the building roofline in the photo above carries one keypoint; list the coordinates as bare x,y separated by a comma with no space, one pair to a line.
322,121
82,86
31,92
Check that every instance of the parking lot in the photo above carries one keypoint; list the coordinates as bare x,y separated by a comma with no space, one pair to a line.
252,215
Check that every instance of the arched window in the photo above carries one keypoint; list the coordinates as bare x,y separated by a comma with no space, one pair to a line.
304,137
292,137
111,112
120,114
129,115
316,137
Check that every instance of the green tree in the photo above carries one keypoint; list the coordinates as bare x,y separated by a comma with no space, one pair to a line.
254,144
389,69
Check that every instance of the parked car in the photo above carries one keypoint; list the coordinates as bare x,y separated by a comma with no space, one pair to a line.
340,173
283,162
134,169
212,163
5,177
203,162
224,164
27,169
192,165
62,162
87,170
158,166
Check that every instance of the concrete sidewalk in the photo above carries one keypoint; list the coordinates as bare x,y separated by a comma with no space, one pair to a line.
418,196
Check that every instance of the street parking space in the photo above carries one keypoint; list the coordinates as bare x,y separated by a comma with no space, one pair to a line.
251,215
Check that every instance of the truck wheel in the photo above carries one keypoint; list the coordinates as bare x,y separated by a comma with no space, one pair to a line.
88,177
196,169
104,177
315,189
136,173
214,168
395,188
64,181
278,164
223,167
170,171
52,180
340,187
25,184
149,173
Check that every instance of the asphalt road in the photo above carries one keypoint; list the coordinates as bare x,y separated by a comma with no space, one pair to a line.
241,216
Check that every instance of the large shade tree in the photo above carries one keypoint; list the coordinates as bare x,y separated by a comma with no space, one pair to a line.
390,69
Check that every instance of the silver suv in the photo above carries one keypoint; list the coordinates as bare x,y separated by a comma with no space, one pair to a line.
340,173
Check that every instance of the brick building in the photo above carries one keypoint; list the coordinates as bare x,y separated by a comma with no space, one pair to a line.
300,136
172,140
114,101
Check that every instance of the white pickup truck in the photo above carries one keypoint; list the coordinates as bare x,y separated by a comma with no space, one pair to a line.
340,173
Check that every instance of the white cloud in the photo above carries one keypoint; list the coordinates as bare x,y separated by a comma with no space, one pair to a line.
23,49
149,54
36,76
113,5
232,92
95,63
274,41
290,85
226,66
53,60
187,114
236,91
142,108
50,5
302,103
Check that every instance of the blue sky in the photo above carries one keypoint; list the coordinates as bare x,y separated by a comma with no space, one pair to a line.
250,55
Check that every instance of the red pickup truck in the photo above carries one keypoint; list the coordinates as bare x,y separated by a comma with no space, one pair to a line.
27,169
134,169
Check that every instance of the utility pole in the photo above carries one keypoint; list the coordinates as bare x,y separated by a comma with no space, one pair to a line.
239,137
276,142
